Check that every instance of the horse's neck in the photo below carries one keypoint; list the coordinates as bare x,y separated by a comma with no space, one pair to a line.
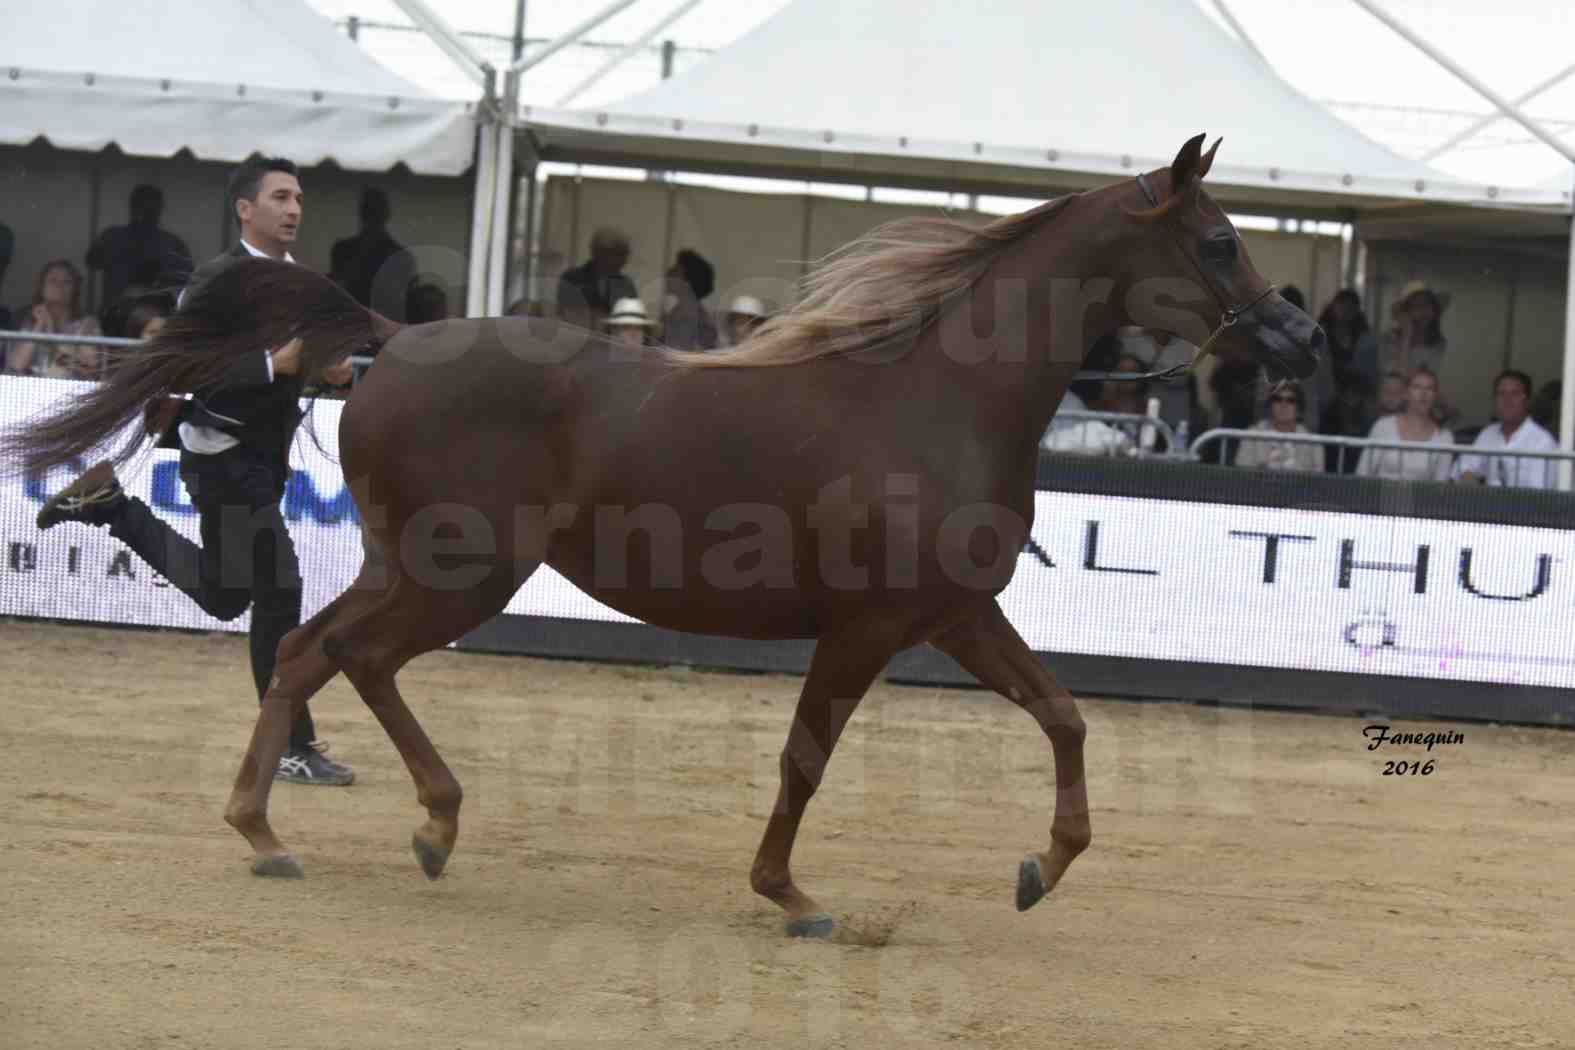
1017,336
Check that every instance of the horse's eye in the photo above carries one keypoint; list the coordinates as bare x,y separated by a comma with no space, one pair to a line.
1220,249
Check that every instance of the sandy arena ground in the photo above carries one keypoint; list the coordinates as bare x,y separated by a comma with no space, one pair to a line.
1254,881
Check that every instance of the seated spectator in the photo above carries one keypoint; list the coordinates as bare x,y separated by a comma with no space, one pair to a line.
1514,429
1285,409
1101,358
57,309
7,246
1129,396
140,314
586,294
1415,424
629,324
1392,394
1235,385
744,316
425,303
1351,415
140,253
686,322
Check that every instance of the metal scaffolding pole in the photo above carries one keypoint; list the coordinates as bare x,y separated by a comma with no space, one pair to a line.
623,56
571,36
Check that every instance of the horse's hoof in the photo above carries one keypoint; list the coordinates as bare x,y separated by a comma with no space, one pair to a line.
1030,883
431,858
278,866
818,926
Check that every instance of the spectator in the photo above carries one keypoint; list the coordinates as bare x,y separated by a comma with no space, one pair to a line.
1392,394
1545,406
57,309
1351,415
1417,339
586,294
7,246
425,303
1351,344
141,253
1414,425
1285,410
1514,429
1235,385
686,322
1129,396
744,316
629,324
1080,393
372,266
138,315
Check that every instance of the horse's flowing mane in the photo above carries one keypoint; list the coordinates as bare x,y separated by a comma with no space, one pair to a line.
876,289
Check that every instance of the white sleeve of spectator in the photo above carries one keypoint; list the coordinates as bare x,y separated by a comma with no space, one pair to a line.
269,355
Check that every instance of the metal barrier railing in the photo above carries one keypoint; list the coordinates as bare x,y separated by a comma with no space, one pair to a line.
1086,440
1361,444
359,362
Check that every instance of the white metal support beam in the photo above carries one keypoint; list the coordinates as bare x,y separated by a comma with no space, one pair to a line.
1504,105
571,36
1456,139
623,56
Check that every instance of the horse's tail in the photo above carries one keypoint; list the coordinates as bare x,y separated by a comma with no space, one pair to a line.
249,307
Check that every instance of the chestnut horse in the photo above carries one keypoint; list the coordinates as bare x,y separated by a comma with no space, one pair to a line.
860,471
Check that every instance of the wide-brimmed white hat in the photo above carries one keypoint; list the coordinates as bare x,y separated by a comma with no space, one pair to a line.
747,306
629,313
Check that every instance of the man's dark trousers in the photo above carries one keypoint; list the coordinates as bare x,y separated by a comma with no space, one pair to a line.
246,557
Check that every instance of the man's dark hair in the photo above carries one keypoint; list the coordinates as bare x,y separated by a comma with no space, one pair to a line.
1516,374
246,180
374,208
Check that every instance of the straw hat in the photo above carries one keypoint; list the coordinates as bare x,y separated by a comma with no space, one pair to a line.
747,306
1412,288
629,313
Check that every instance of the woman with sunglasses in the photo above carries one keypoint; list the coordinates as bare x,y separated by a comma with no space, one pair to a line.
1285,408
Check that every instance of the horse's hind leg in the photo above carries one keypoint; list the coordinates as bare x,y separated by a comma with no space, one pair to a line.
301,670
989,648
408,621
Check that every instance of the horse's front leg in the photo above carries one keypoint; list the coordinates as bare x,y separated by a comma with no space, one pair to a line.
840,673
989,648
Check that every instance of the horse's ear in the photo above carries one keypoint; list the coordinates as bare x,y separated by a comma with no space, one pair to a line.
1208,158
1186,167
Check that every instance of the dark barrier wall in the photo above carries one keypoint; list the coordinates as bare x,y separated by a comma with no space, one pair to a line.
1142,578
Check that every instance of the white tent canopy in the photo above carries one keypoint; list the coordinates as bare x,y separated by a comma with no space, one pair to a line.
222,78
1007,95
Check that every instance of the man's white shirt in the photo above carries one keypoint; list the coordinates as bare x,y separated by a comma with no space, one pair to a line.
1512,471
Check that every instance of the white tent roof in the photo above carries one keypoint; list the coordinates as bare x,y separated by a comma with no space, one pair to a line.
1001,92
222,78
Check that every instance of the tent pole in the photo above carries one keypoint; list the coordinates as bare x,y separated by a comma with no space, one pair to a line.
1503,104
623,56
481,220
1567,391
502,198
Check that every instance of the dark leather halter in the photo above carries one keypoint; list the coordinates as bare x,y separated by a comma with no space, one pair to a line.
1231,315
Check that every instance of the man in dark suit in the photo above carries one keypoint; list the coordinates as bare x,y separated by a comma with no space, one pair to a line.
235,440
586,293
